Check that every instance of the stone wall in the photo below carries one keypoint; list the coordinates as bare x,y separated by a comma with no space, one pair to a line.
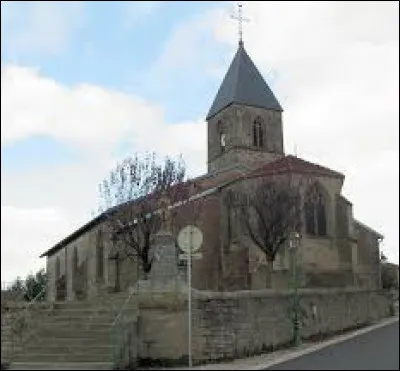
330,257
367,268
19,320
237,324
82,253
236,123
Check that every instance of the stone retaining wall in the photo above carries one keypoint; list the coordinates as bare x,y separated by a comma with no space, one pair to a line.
238,324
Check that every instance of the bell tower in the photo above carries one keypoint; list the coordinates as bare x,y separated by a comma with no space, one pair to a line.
245,119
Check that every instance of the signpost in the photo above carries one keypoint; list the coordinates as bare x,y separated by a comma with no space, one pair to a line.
190,240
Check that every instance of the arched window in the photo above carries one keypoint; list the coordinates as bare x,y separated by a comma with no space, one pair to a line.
309,217
221,135
315,211
321,218
100,255
258,133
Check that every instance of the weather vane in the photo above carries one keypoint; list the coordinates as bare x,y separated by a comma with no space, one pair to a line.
240,20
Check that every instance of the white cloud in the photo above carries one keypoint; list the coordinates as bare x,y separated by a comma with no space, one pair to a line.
86,115
44,27
26,233
90,117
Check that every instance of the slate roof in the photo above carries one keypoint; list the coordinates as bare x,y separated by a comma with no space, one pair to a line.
243,84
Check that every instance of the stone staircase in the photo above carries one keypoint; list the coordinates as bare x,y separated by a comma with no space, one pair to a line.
7,345
75,336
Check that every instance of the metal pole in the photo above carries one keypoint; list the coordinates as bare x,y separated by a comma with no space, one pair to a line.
296,324
189,272
296,298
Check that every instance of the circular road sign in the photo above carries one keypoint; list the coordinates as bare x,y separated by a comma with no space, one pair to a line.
190,238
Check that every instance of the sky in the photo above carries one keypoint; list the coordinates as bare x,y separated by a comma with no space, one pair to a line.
84,84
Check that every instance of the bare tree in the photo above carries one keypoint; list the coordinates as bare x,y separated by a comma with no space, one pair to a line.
131,199
269,216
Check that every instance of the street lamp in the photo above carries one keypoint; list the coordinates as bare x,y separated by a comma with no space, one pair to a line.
294,243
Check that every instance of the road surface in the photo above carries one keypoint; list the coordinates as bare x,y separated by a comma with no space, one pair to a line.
374,350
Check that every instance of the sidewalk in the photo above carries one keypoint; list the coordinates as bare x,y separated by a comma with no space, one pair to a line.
267,360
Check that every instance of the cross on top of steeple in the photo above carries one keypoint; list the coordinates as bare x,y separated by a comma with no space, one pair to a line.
240,19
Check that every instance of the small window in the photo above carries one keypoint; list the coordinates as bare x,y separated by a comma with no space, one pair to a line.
221,135
260,137
222,140
258,133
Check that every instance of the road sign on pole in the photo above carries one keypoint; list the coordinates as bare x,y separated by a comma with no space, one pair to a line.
190,239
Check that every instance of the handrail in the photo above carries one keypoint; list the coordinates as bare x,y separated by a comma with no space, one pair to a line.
113,329
122,308
30,303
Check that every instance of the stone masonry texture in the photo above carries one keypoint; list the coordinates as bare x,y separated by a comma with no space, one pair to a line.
242,323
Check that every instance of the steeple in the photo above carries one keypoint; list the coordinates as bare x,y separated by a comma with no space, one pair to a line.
244,123
243,84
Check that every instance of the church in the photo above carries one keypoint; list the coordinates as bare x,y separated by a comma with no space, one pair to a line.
245,147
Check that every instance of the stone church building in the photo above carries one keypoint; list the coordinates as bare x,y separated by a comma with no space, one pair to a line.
245,147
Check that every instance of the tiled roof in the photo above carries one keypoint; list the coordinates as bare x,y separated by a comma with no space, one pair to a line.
294,164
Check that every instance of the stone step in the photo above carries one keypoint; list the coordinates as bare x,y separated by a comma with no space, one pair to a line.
72,333
78,322
112,301
8,343
11,349
72,348
61,366
65,357
93,304
87,310
49,342
88,322
88,315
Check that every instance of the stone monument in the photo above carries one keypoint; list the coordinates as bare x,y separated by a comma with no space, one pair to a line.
164,275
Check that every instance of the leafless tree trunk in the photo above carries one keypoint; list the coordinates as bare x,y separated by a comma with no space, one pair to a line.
269,216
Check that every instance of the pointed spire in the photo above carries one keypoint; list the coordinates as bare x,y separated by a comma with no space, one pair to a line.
243,84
